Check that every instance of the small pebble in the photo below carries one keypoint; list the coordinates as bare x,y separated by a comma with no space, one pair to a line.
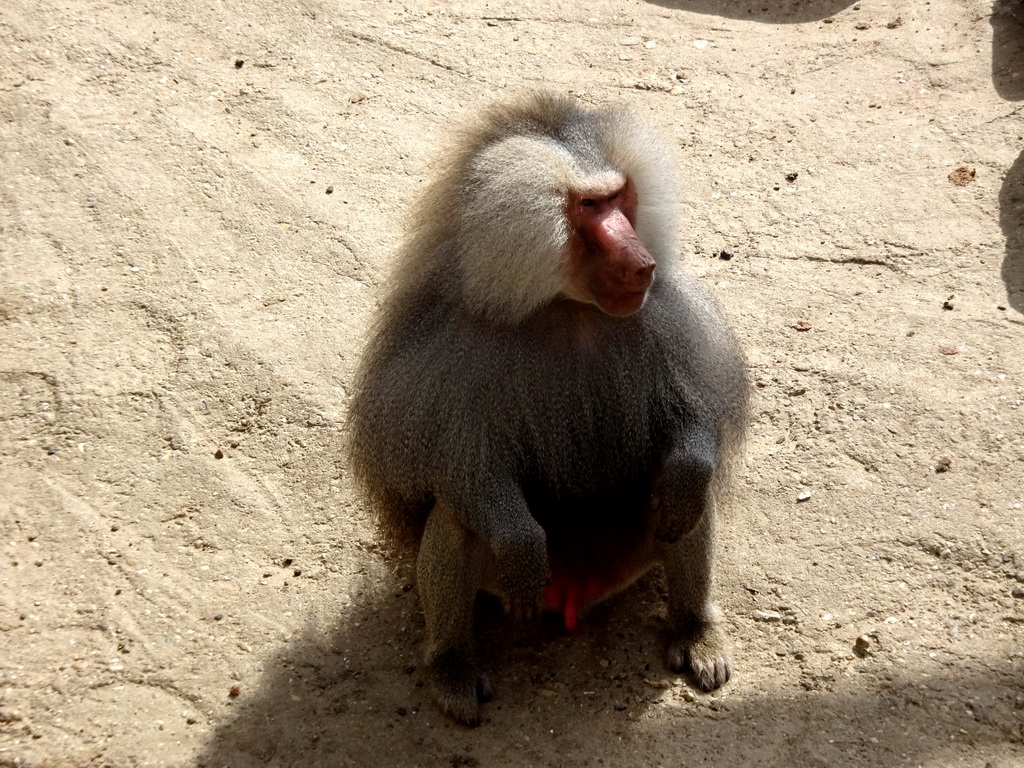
1017,592
69,141
804,496
766,616
239,63
724,255
630,41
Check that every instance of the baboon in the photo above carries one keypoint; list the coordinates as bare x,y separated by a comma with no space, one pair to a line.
547,407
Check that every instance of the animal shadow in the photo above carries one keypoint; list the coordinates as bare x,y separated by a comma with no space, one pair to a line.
1008,49
1011,220
768,11
358,696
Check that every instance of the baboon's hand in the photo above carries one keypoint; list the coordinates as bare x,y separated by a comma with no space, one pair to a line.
677,519
684,489
522,563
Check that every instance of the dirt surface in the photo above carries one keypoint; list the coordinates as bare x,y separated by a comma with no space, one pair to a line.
200,203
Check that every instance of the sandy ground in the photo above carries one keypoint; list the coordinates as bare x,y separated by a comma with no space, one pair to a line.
200,204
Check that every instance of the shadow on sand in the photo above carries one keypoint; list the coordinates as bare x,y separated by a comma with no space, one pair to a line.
1008,49
356,698
1011,220
768,11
